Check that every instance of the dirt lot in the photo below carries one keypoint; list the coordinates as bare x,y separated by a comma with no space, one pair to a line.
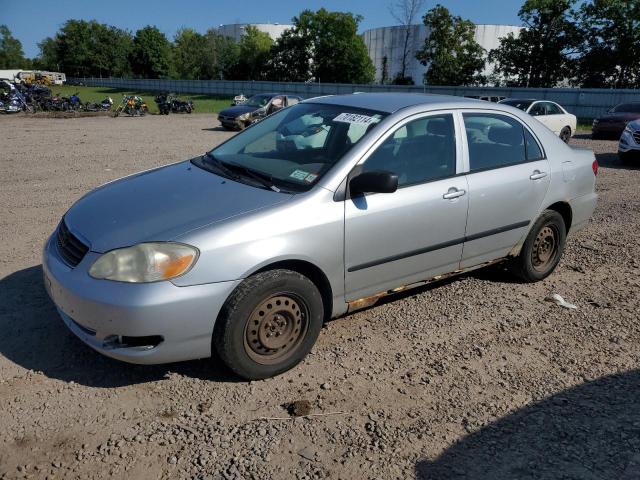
475,378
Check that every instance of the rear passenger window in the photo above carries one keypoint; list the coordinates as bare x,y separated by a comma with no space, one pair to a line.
533,149
420,151
494,141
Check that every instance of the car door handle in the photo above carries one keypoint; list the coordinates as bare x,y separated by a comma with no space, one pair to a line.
453,193
537,175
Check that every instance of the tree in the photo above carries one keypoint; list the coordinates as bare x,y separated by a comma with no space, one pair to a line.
450,52
151,53
254,50
384,75
544,53
221,56
11,54
84,48
405,13
48,58
611,32
323,46
190,54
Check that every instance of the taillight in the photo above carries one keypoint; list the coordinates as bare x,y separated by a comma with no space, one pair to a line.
594,167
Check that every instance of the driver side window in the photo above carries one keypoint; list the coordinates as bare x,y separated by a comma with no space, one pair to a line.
420,151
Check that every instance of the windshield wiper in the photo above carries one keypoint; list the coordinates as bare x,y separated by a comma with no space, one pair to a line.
221,166
263,178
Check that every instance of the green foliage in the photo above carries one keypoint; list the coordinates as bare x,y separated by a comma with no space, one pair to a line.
544,53
450,52
84,48
190,55
221,56
322,46
151,54
253,53
400,80
11,54
611,32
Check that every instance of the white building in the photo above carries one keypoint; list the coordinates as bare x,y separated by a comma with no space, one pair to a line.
236,30
389,42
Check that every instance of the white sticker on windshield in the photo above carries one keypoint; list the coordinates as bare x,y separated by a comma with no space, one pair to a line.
356,118
299,174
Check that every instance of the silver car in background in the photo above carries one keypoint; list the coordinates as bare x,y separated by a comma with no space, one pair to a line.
318,210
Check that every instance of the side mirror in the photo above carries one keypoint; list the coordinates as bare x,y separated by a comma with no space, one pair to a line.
376,181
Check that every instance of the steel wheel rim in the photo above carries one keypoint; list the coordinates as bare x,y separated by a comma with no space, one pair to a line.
545,248
275,328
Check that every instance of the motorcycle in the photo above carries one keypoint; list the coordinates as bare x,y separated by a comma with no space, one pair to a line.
13,102
168,103
164,104
182,106
132,105
104,106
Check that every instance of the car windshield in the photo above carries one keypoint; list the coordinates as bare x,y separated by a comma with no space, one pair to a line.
258,100
295,147
521,104
627,108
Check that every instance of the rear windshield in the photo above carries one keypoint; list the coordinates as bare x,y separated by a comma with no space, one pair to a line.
521,104
627,108
298,145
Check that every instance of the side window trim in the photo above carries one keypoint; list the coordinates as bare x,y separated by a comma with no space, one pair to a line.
419,116
342,192
464,140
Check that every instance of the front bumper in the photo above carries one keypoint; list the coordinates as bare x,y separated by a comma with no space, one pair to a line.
229,122
628,143
608,130
103,313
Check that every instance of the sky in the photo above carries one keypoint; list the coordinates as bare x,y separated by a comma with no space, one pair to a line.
34,20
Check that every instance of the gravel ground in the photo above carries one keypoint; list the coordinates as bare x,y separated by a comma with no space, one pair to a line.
477,377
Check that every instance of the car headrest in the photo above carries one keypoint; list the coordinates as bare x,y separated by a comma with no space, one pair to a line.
506,135
438,126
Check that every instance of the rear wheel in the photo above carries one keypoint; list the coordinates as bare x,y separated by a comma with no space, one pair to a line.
565,134
542,249
269,324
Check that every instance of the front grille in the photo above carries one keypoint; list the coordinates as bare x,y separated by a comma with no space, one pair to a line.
70,247
636,137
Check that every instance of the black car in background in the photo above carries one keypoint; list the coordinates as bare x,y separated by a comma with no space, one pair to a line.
612,124
254,109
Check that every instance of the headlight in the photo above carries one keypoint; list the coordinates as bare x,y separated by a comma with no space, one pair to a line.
244,117
628,129
595,121
145,262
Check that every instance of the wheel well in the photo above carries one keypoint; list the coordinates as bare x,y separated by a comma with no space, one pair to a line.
313,273
564,209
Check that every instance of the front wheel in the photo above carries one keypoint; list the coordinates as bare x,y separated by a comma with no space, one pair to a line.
565,134
269,324
542,249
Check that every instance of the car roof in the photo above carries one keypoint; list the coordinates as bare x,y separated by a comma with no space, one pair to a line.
524,100
392,102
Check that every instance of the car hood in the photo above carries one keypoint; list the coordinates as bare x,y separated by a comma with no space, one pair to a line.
619,117
237,110
162,204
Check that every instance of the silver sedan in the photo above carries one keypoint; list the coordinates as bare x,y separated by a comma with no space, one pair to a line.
318,210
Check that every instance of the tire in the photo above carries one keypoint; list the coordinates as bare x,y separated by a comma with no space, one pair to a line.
269,324
565,134
542,249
